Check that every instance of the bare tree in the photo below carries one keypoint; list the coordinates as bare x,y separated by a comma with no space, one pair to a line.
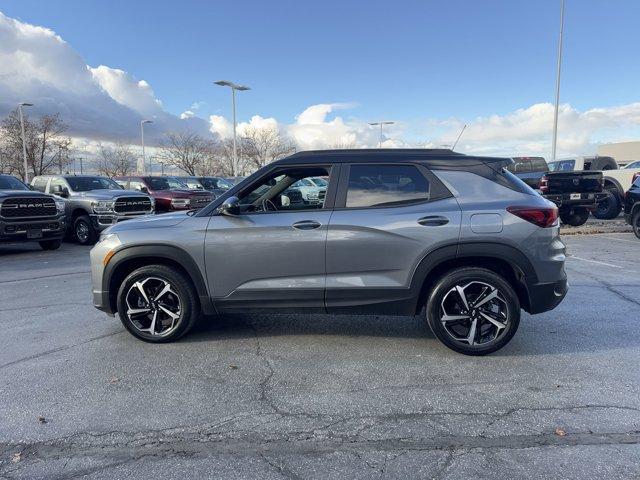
187,151
115,161
47,147
265,145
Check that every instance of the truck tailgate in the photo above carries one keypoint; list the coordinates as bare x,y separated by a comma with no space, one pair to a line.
568,182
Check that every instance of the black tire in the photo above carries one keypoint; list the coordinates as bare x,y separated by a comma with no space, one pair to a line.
83,231
443,293
635,223
574,216
610,207
50,244
188,307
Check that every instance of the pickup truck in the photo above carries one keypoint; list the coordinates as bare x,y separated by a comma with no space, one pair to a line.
93,203
28,216
632,205
170,194
529,169
575,193
616,181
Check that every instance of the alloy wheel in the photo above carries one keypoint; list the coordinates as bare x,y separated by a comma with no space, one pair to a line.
82,232
475,313
153,306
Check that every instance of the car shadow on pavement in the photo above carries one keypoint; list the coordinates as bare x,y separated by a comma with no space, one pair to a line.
546,334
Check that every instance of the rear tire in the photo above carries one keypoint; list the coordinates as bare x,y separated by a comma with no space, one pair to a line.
83,230
610,207
50,244
574,216
462,325
157,304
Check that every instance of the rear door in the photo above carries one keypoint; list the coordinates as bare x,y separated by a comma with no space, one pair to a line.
387,218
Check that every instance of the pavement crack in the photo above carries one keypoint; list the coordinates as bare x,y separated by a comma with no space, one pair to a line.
264,385
611,288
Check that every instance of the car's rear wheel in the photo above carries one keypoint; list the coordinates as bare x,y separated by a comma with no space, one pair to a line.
83,231
157,304
574,216
610,206
635,223
473,311
50,244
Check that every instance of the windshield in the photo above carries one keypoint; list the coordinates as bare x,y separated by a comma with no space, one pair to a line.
11,183
165,183
85,184
562,166
320,182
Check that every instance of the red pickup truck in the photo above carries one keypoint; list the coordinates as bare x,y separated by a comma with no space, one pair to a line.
169,193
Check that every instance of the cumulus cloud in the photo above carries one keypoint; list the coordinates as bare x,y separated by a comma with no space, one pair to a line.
38,66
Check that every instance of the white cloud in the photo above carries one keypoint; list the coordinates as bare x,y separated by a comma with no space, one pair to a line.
187,114
38,66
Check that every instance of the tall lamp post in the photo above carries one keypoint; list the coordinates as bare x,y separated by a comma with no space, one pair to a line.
234,87
144,160
555,113
24,140
375,124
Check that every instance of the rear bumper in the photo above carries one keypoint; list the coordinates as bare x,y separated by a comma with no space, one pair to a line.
587,200
547,296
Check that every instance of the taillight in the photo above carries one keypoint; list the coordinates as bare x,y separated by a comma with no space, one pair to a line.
541,216
544,184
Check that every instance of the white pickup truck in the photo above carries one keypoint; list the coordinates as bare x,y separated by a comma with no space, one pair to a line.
616,181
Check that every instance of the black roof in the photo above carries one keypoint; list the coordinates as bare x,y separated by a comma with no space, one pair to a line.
432,157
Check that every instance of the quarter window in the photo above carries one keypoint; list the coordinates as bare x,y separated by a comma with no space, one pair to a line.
385,185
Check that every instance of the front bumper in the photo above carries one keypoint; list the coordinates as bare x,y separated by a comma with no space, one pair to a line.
101,221
25,230
547,296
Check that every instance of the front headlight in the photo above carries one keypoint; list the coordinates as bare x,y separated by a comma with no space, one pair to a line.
104,236
180,202
103,206
60,205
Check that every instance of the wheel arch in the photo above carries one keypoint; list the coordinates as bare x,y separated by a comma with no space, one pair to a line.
501,259
128,259
612,182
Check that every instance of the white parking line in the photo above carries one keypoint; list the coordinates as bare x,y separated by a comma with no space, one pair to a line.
594,261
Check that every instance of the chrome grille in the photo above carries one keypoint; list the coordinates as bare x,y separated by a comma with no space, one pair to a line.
22,207
200,201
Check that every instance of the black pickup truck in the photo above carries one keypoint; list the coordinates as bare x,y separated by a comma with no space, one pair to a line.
575,193
28,216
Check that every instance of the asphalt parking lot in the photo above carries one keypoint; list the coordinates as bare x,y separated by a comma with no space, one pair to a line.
318,397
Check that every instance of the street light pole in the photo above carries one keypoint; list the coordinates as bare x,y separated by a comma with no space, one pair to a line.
24,140
144,160
234,87
555,113
374,124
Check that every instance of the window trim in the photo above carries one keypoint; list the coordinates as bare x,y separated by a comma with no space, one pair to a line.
435,185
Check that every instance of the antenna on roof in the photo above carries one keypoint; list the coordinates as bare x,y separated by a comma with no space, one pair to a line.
459,135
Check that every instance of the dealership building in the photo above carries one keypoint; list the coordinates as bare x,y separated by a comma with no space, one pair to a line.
624,152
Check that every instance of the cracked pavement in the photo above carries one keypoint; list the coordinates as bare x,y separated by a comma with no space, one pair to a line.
263,396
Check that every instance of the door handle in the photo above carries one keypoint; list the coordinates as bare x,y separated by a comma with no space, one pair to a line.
306,225
433,221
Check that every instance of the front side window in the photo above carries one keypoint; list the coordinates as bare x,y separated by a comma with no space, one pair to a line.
285,190
12,183
385,185
40,184
86,184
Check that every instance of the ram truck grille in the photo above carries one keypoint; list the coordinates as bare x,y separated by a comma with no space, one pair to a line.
132,205
28,207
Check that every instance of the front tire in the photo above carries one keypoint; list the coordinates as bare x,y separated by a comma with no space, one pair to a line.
50,244
83,230
157,304
574,216
473,311
635,223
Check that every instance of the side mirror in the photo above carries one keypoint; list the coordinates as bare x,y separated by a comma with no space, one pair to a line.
231,206
60,191
143,189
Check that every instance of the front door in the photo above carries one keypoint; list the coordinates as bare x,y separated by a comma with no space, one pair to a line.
271,255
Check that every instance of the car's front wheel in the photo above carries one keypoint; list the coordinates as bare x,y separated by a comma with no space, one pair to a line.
473,311
635,223
157,304
83,231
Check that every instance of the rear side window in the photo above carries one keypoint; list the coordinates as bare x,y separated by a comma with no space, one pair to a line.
40,184
386,185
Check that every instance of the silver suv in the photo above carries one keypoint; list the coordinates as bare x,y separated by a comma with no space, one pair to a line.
400,232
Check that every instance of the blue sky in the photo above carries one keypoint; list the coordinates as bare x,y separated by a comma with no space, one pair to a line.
408,61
